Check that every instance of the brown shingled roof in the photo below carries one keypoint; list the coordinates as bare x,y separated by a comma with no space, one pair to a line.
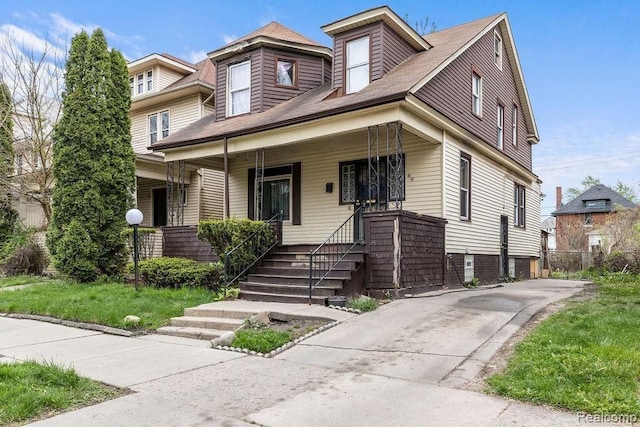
278,32
205,73
394,86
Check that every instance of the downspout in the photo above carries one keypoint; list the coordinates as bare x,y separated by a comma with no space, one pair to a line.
226,179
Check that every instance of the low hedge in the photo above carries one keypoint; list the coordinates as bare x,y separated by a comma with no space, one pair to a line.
179,272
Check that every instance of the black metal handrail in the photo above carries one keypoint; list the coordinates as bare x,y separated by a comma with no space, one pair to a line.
324,259
253,249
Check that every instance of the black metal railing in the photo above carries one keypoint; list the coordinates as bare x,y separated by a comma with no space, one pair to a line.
239,260
324,259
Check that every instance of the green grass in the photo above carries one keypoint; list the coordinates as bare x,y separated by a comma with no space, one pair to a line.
22,280
104,303
363,303
585,358
260,340
30,390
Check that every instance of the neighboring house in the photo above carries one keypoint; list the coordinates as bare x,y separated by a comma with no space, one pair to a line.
432,134
168,94
576,220
549,227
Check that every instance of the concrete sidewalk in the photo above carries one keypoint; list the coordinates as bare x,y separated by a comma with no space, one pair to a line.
403,364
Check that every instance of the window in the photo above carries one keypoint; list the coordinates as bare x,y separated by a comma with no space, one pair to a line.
465,187
519,205
286,72
132,84
276,196
514,125
140,83
158,131
19,163
595,204
497,49
35,158
354,182
500,126
588,220
357,52
476,94
239,93
149,81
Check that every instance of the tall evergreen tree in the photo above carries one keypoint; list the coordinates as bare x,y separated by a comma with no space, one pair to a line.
94,163
8,214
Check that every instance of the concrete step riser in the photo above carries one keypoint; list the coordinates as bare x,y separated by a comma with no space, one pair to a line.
285,290
302,272
296,264
209,312
206,323
302,281
310,248
249,296
305,257
194,333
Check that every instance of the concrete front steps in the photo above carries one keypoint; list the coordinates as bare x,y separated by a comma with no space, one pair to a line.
283,276
205,323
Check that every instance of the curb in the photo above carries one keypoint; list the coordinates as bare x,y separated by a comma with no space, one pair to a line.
80,325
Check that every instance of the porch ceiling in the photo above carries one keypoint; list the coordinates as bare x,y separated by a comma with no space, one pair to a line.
309,131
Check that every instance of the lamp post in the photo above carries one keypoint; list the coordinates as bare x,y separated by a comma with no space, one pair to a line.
134,217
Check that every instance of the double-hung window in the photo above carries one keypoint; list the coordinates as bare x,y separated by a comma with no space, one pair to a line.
286,72
518,205
514,125
158,126
239,88
357,72
132,84
149,80
497,49
465,187
500,126
140,84
476,94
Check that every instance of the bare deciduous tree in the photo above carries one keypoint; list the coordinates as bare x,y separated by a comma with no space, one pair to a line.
620,231
35,77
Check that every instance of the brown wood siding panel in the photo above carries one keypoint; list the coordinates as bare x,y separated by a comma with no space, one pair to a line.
421,249
450,93
309,76
523,268
486,269
395,49
183,242
327,70
375,45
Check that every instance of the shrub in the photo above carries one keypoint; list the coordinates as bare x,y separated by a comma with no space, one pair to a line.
27,259
363,303
8,219
224,235
616,261
178,272
76,254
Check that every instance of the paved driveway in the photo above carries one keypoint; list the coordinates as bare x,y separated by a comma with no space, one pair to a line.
403,364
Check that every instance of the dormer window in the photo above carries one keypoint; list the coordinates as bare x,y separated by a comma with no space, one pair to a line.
142,83
149,81
357,73
239,88
286,72
595,204
497,49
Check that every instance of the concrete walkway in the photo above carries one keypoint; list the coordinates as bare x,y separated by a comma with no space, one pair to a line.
403,364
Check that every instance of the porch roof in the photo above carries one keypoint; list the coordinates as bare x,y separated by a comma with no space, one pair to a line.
324,101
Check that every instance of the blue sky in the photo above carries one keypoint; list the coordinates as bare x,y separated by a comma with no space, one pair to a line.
579,59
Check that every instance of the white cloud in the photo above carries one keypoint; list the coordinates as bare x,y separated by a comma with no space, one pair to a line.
197,56
229,38
25,40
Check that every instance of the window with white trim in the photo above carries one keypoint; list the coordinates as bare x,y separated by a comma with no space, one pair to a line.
132,85
476,94
140,83
465,187
158,126
239,88
518,205
357,59
500,126
149,80
514,125
497,49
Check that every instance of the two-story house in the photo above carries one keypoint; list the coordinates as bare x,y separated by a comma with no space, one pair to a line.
430,135
578,222
168,94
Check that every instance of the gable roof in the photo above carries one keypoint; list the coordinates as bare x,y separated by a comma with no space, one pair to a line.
597,192
205,73
405,79
273,34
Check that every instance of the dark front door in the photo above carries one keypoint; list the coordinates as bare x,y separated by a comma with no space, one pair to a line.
159,207
504,246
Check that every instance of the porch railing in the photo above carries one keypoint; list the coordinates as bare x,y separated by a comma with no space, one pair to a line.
239,260
324,259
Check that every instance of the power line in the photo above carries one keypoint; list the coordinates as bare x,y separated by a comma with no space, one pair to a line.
582,162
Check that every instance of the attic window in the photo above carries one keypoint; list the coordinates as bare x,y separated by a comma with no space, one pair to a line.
357,74
239,88
286,72
497,49
595,204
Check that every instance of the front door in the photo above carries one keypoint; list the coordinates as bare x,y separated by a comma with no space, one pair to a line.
159,213
504,246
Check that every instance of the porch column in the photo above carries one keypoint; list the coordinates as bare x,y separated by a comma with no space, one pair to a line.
226,179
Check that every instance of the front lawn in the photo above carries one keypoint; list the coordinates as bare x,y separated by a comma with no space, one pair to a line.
103,303
21,280
585,358
30,390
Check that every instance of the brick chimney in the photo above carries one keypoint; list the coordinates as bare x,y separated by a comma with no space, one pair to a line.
558,197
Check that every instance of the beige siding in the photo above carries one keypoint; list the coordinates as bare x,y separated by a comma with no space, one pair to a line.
164,77
182,112
145,202
30,214
321,212
212,194
491,197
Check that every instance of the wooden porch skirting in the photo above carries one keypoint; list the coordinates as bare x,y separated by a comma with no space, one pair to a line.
183,242
404,251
